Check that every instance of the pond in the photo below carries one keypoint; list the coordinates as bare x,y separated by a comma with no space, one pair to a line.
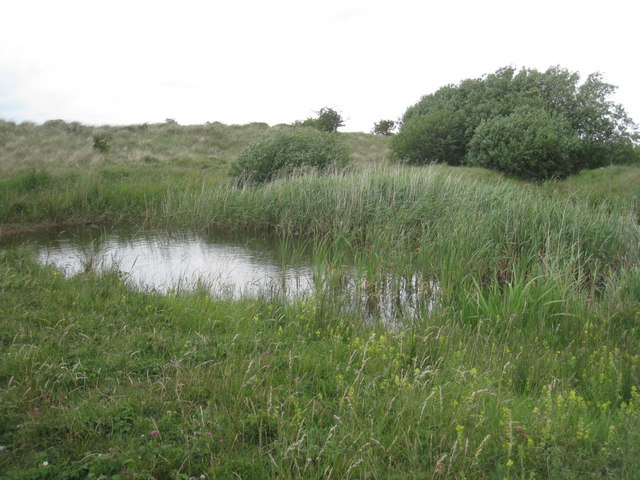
234,267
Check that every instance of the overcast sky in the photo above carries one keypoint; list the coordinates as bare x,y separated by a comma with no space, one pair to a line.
276,61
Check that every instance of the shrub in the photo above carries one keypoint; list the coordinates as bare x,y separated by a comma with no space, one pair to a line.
530,143
606,133
384,127
101,143
288,150
438,137
329,120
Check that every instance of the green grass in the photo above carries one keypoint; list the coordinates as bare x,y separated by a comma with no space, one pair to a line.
527,366
256,389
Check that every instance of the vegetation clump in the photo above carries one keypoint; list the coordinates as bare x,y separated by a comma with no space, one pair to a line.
441,127
384,127
434,138
288,150
327,120
101,143
530,143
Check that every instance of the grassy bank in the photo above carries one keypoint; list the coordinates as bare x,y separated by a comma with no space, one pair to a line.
99,381
526,366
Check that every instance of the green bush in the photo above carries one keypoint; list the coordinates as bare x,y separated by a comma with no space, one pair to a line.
530,143
329,120
438,137
101,142
451,115
384,127
288,150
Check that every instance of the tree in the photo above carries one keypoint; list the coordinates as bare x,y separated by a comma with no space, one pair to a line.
604,132
329,120
384,127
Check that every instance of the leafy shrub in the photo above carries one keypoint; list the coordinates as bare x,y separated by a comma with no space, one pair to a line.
595,154
288,150
329,120
452,114
530,143
384,127
438,137
309,123
101,143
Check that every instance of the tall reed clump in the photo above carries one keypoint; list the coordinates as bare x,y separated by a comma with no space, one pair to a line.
489,225
491,250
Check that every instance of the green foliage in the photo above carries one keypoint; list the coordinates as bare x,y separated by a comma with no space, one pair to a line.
605,132
329,120
309,122
288,150
30,181
101,143
530,143
437,137
384,127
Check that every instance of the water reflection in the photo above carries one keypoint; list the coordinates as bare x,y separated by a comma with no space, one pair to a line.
229,266
237,266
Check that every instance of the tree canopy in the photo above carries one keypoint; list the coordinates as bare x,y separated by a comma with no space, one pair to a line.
327,120
601,131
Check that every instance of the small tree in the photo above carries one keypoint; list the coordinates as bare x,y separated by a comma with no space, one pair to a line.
384,127
329,120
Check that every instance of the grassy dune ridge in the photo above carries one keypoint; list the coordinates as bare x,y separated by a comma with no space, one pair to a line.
63,146
527,367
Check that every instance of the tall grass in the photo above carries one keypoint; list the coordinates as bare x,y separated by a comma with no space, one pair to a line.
98,380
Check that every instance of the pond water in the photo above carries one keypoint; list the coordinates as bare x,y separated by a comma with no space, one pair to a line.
233,266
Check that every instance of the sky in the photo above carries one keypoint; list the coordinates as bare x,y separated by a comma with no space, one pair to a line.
278,61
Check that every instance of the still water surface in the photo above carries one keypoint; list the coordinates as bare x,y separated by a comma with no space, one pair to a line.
230,266
234,266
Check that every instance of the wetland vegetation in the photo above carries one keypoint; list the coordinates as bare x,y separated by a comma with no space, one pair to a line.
524,366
